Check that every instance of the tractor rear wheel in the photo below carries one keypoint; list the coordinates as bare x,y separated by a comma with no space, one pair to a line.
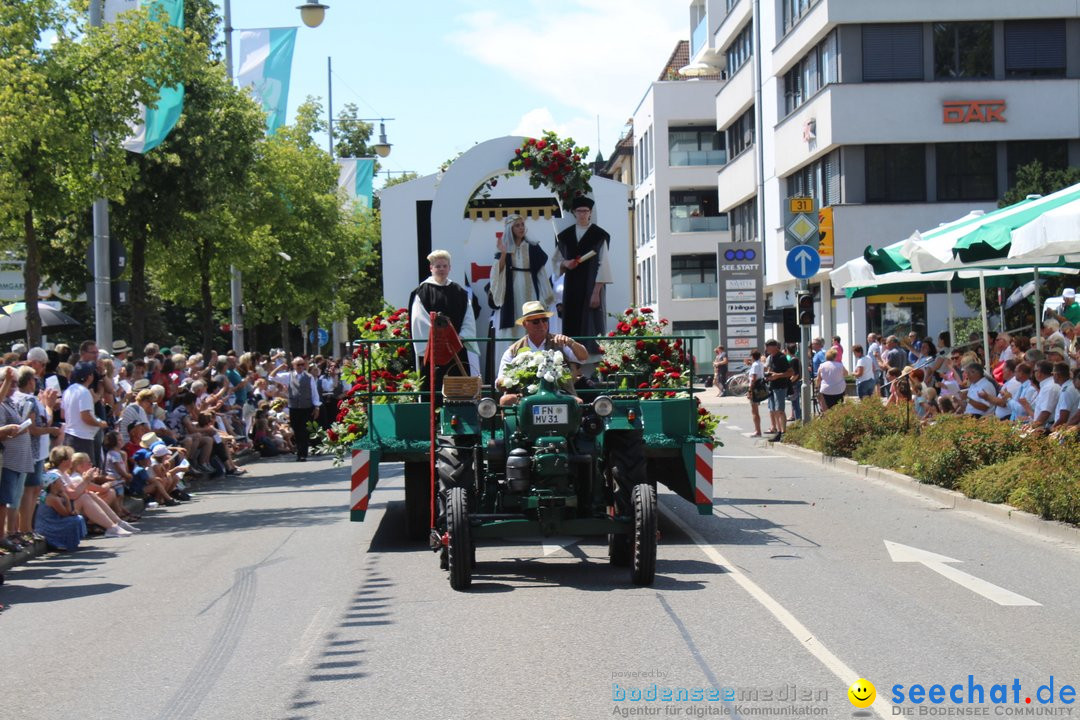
643,568
459,550
417,500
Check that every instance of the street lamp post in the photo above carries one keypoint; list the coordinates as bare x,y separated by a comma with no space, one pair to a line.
311,14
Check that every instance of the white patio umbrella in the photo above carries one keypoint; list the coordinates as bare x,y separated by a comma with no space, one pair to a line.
1056,231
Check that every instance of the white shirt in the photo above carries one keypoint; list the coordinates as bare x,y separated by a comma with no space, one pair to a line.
77,398
1013,386
1068,400
982,385
507,357
833,378
867,364
874,352
757,370
1049,393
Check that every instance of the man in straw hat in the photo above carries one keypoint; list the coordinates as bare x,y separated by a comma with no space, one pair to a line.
581,254
535,319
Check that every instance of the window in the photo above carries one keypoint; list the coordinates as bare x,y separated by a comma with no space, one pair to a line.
743,221
967,171
644,156
639,222
702,350
695,146
693,276
794,10
892,52
895,173
740,50
1053,154
731,4
740,134
1035,48
814,71
963,50
820,179
695,211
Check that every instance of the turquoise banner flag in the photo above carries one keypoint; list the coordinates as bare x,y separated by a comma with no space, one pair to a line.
158,121
355,177
266,67
365,174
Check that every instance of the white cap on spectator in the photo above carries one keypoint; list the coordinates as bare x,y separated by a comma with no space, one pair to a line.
37,355
159,450
1069,293
18,348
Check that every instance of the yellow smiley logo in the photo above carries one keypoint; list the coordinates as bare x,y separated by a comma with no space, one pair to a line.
862,693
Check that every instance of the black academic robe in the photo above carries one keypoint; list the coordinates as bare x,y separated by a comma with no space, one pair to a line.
454,302
578,319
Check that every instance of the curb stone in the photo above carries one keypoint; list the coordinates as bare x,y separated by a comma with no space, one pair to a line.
948,499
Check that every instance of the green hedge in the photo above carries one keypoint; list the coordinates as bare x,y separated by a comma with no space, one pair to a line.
846,426
984,459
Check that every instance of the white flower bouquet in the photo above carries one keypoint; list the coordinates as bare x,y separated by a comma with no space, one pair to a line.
525,371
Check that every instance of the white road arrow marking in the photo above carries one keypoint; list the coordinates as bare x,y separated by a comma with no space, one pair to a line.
937,563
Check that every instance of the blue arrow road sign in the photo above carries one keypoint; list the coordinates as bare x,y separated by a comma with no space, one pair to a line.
803,261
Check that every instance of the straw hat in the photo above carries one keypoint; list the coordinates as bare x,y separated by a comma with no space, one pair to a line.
533,309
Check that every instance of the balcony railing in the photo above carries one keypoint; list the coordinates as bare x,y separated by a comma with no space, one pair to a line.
699,224
686,158
699,36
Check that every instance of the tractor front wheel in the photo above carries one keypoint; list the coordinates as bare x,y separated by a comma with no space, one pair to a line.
643,567
459,550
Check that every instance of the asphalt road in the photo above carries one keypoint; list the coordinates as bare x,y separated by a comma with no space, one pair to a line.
261,600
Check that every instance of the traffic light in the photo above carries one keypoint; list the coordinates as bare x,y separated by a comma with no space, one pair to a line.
804,302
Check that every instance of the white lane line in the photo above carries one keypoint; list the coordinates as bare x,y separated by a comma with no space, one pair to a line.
308,639
744,457
802,635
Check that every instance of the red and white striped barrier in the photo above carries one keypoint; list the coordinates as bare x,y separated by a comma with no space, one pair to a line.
703,477
361,474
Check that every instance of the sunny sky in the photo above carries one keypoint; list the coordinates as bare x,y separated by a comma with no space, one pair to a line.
457,72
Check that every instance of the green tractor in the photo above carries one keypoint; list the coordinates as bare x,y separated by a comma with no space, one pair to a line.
553,464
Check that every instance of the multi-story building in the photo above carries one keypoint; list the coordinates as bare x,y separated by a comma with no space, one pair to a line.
677,222
897,115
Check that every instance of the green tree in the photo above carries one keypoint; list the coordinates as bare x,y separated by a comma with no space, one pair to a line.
154,210
303,215
217,146
1037,179
351,134
65,109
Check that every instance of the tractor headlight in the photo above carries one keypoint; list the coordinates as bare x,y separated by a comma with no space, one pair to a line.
487,408
603,406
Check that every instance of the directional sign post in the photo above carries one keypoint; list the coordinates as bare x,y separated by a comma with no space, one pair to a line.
803,262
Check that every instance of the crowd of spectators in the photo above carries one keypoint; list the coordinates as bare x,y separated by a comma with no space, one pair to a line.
1030,380
1020,382
82,429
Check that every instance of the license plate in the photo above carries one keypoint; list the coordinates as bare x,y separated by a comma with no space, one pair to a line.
549,414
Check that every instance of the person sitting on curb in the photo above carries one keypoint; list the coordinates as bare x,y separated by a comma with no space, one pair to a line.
535,318
145,484
92,507
57,520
